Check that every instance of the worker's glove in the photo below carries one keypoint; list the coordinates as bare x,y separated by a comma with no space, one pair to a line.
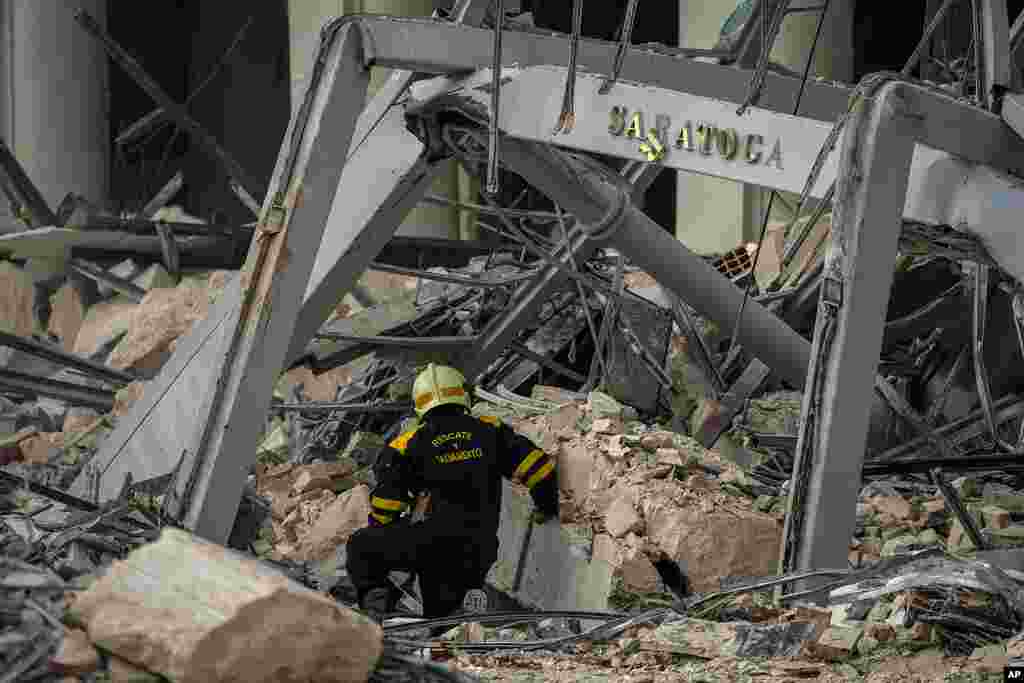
541,517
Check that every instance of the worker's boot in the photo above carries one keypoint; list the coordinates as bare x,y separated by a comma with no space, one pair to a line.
376,603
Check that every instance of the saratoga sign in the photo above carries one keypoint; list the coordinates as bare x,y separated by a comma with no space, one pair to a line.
701,137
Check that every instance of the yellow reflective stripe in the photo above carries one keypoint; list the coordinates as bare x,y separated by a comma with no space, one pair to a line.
528,462
383,519
540,474
402,440
387,504
490,419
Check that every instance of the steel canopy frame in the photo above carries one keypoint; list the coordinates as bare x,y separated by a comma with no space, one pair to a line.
357,235
874,175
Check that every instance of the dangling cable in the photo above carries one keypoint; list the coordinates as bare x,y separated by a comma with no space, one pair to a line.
567,119
768,36
492,147
628,21
771,199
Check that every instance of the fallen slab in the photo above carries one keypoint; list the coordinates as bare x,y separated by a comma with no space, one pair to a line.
192,610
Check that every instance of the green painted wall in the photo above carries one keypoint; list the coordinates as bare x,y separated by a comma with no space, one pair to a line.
715,215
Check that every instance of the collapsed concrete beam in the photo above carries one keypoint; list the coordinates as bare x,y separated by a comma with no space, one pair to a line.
580,190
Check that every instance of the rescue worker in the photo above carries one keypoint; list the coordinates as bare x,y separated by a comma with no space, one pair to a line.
459,460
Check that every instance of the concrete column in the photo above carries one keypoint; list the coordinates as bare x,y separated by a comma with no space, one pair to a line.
53,98
306,18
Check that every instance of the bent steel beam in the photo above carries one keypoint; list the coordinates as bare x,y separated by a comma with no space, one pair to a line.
384,178
211,398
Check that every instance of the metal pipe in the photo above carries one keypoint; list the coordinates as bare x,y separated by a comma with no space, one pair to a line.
70,360
73,394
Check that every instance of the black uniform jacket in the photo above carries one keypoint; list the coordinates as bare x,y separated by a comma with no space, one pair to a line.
459,460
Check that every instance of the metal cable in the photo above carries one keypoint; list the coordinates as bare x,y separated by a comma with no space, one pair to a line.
493,133
628,21
979,322
567,119
583,298
768,37
774,194
864,89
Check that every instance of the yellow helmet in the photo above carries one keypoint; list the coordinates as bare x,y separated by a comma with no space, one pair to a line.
438,385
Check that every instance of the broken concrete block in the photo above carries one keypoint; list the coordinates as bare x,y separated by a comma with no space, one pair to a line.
575,462
655,440
103,323
160,318
883,633
320,476
67,313
607,425
77,656
41,448
669,456
602,405
711,546
346,515
17,305
836,643
929,537
995,517
622,517
989,659
920,632
194,611
891,509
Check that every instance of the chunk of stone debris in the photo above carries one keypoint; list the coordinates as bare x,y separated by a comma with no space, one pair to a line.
992,659
76,656
67,313
622,516
709,546
655,440
630,565
602,405
883,633
320,476
346,515
669,456
837,642
996,517
227,617
103,323
17,305
607,425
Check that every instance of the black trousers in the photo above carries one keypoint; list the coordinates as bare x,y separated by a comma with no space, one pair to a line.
449,560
